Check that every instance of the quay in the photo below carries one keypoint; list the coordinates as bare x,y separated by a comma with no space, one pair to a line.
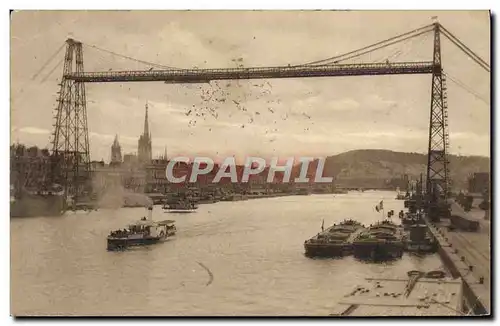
467,256
412,296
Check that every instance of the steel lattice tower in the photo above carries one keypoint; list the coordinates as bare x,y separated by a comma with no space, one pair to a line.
70,143
437,161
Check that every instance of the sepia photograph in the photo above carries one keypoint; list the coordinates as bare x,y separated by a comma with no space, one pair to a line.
250,163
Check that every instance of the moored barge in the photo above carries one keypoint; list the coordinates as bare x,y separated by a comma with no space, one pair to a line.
336,241
382,241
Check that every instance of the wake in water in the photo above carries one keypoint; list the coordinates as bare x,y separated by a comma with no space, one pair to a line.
211,276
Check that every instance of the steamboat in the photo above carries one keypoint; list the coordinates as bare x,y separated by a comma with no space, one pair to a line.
141,233
336,241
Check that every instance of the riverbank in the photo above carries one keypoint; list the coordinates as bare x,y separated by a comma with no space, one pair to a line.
85,206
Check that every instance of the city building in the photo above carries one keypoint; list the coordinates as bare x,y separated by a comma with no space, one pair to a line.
30,167
130,159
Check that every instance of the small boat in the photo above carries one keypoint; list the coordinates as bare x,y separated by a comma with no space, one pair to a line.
336,241
181,205
402,196
382,241
143,232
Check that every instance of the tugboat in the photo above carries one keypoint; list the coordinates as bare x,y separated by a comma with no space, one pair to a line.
143,232
336,241
382,241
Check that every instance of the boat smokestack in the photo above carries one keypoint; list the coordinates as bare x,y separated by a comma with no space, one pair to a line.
150,213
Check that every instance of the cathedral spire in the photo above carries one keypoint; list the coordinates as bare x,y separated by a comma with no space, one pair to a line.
116,152
146,123
144,144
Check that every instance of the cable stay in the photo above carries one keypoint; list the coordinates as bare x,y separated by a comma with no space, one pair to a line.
465,49
373,47
342,58
47,62
466,88
407,44
52,71
14,97
152,64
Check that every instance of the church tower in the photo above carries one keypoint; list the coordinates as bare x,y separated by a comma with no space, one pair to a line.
116,152
144,148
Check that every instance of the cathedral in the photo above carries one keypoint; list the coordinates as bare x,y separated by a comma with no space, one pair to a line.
116,152
144,145
144,151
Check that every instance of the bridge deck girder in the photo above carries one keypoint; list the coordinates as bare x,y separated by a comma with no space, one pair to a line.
205,75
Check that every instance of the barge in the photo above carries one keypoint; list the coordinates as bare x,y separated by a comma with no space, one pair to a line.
180,205
336,241
382,241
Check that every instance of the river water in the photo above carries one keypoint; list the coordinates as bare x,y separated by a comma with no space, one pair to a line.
253,249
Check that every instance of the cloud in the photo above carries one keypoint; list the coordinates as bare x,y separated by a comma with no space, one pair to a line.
33,130
396,134
469,136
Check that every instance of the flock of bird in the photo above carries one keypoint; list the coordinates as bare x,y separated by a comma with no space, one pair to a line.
220,100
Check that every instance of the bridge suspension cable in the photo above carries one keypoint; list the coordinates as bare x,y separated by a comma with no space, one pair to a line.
373,47
466,88
407,47
52,71
48,61
152,64
465,49
29,83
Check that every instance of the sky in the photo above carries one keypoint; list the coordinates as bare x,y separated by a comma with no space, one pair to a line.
275,117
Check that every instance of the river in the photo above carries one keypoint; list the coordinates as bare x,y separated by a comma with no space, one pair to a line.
228,259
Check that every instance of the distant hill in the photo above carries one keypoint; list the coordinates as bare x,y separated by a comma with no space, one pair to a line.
370,167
